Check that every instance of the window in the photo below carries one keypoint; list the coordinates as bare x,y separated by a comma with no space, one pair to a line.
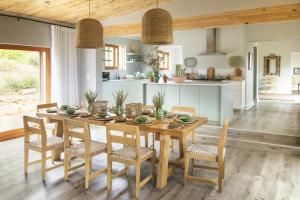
165,57
114,56
25,81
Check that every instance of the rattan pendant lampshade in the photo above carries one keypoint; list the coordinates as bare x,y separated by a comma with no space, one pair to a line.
157,27
89,33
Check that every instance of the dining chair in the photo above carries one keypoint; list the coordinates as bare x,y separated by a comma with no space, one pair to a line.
51,126
35,126
86,149
130,154
208,152
146,134
184,110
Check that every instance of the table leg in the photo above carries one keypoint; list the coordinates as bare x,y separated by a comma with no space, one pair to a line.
163,168
182,145
59,132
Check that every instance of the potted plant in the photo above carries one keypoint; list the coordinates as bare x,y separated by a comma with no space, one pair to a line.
158,102
165,78
120,97
90,98
180,74
150,76
153,60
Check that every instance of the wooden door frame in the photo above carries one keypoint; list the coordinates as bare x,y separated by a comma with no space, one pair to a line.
20,132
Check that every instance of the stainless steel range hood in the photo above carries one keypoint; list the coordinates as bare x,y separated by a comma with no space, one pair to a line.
211,43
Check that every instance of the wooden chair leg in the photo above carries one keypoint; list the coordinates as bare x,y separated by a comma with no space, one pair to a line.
223,169
138,180
146,141
87,172
220,177
192,166
127,169
153,159
109,173
186,168
26,156
66,165
43,165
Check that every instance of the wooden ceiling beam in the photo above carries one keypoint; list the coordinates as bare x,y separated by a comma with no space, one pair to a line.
249,16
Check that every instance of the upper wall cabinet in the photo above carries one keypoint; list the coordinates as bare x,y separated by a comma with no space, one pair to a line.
272,65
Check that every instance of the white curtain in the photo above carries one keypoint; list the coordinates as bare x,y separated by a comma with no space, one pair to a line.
64,83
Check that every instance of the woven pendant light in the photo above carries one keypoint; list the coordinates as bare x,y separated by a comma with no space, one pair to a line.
157,27
89,33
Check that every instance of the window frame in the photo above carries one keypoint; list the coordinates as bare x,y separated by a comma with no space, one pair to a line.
115,59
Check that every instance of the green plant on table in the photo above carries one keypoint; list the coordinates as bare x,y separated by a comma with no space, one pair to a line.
90,98
120,97
158,102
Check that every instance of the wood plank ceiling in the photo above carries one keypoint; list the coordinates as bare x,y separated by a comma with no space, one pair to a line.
71,11
251,16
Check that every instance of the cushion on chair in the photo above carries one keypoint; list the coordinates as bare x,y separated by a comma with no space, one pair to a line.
129,153
203,149
52,142
79,149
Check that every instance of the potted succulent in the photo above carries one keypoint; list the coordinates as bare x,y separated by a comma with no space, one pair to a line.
120,97
153,60
158,102
90,98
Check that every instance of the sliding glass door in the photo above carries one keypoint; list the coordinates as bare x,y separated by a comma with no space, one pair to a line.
23,84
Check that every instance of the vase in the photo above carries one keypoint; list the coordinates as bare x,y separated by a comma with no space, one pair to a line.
119,110
91,107
159,114
156,77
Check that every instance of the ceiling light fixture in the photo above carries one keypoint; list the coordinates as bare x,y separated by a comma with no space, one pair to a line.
157,27
89,33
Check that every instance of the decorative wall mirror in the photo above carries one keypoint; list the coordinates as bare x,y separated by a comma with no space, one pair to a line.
272,65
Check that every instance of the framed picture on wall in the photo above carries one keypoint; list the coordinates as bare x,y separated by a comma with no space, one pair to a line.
297,71
250,60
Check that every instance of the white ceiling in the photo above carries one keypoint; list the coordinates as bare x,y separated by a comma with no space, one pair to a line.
183,8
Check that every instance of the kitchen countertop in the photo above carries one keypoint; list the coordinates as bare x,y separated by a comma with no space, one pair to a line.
119,80
190,82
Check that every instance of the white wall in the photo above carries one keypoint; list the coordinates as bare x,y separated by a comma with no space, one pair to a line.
284,49
86,64
24,32
230,40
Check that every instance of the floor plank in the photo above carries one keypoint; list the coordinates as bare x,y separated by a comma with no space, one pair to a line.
250,174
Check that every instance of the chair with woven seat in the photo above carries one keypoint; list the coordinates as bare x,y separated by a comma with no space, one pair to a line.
207,152
186,110
146,134
131,154
51,126
86,149
32,126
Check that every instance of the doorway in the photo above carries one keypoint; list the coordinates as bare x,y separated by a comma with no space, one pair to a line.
24,83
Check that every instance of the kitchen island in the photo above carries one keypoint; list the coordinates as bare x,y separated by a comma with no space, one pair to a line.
212,99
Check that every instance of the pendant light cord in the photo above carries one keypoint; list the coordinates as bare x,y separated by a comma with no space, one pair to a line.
156,3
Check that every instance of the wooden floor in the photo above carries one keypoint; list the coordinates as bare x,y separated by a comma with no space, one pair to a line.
250,174
277,117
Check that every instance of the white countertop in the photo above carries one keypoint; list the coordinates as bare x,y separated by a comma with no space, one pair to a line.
191,82
116,80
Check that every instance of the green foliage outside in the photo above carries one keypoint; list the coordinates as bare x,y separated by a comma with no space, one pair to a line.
22,83
18,70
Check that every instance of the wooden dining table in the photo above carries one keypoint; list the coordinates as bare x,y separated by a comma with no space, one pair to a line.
160,128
